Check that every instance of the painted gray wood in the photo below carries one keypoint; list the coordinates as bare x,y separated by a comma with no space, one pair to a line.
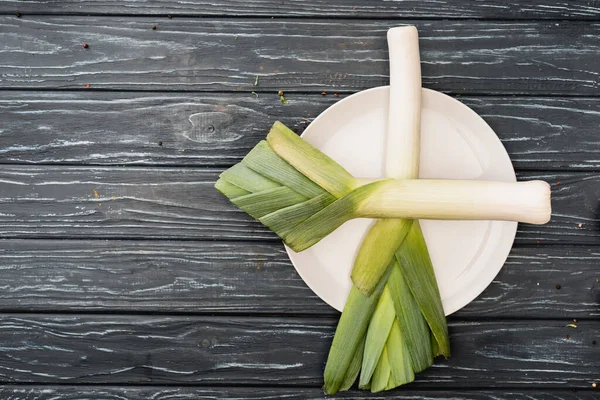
596,291
277,351
116,128
180,310
538,9
29,392
253,278
181,203
488,57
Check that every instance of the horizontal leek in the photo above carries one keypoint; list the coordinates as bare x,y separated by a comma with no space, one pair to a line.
302,206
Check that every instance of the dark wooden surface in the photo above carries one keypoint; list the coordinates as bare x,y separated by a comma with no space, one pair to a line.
492,9
226,54
124,275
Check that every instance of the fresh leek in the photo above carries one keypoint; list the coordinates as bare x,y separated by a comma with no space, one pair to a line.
408,349
393,323
311,205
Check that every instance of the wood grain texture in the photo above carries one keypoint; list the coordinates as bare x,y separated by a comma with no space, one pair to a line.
277,351
181,203
116,128
231,318
538,9
252,278
49,392
294,55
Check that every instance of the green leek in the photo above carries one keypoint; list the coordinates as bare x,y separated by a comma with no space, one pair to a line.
393,323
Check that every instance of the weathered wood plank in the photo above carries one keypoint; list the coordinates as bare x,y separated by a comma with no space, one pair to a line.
50,392
575,211
227,54
578,9
279,351
181,203
209,277
108,128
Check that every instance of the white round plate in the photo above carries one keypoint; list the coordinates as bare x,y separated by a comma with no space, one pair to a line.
456,143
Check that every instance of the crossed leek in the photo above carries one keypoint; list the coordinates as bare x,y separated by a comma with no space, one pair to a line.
393,324
302,195
408,327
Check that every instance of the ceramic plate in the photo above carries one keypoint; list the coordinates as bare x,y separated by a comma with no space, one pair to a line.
455,144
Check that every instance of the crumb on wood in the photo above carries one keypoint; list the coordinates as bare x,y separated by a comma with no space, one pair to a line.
87,86
580,225
18,14
574,326
85,45
323,93
558,287
153,27
558,183
96,194
281,97
336,95
113,197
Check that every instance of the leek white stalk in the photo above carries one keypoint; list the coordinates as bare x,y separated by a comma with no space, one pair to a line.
428,199
404,120
458,200
408,347
402,153
398,341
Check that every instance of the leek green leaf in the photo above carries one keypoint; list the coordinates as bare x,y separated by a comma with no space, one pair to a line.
377,251
310,161
263,160
401,365
377,335
284,220
229,190
411,322
354,367
243,177
351,330
268,201
381,375
417,269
